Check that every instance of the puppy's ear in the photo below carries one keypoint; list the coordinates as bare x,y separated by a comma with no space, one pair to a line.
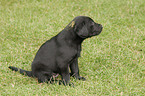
82,30
78,26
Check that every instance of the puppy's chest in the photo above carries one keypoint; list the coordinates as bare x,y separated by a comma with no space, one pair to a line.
75,52
69,54
72,57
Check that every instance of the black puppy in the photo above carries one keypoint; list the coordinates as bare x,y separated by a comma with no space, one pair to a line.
59,53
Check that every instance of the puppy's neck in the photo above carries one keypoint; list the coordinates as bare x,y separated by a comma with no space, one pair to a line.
70,37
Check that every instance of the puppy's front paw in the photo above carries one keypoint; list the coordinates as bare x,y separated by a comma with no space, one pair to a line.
82,78
71,84
62,82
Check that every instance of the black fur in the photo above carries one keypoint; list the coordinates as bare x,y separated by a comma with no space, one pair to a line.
61,52
24,72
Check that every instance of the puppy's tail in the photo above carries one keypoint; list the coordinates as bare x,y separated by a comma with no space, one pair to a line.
21,71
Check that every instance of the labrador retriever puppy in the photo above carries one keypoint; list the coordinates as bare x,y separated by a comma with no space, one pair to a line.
61,52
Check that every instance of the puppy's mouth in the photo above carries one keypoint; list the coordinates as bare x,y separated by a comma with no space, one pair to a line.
98,31
83,37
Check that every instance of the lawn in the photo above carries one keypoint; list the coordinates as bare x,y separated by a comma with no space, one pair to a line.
113,62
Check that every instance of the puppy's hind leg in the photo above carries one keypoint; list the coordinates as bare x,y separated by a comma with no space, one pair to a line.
43,76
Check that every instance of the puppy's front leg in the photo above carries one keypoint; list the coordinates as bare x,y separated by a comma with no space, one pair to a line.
65,77
75,70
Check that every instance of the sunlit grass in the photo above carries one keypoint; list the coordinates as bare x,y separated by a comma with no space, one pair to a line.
113,62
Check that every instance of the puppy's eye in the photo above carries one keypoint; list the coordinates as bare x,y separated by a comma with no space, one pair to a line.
91,25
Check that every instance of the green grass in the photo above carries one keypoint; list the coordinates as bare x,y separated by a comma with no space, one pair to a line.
113,62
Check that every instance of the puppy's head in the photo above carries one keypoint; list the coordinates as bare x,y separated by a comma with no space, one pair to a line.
85,27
